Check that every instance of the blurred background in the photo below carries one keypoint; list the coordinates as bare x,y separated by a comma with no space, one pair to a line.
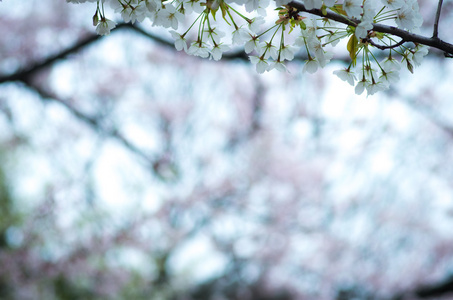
129,170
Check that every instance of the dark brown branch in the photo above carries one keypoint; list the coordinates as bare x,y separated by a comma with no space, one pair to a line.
403,34
329,14
385,47
436,21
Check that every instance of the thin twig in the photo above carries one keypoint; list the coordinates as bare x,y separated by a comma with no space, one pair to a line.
385,47
436,21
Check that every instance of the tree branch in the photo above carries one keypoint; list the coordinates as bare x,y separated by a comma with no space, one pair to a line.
25,73
385,47
436,21
403,34
436,290
435,42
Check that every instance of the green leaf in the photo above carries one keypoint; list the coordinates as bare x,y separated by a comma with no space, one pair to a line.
213,6
302,25
292,25
338,8
353,47
224,9
213,11
379,35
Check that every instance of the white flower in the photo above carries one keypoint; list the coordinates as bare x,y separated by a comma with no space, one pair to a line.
353,8
370,72
287,52
418,19
240,36
405,18
369,10
282,2
216,52
139,12
346,75
315,47
151,6
334,38
213,34
389,77
390,64
198,49
251,44
169,17
393,4
193,5
362,29
311,66
278,65
268,50
251,5
310,4
129,12
420,52
180,41
79,1
329,3
361,85
375,87
326,59
309,33
260,62
257,5
104,26
256,23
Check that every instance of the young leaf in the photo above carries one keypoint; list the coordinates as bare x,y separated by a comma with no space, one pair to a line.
302,25
338,8
353,47
224,8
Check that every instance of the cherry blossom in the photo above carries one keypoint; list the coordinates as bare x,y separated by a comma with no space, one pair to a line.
104,26
311,66
217,50
346,75
261,63
281,173
266,42
180,41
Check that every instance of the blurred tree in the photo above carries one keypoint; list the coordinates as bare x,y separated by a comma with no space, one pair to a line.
132,171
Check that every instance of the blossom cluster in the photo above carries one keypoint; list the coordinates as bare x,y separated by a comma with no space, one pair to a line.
295,28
